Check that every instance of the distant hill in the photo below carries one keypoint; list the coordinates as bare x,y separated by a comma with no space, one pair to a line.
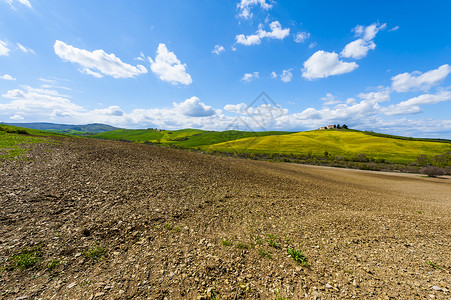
65,128
188,138
336,142
347,143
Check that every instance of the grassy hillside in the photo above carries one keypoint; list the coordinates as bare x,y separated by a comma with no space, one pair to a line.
67,129
336,143
190,138
13,139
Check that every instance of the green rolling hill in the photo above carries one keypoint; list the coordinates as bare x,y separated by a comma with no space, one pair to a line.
341,143
346,143
65,128
188,138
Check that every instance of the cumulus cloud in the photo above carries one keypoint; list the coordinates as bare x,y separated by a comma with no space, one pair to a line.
364,112
110,111
194,108
416,80
323,64
4,50
360,47
25,49
248,77
300,37
412,106
7,77
168,67
245,7
286,75
97,63
255,39
218,49
30,101
236,108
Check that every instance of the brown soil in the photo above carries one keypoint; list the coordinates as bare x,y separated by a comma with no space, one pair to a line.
164,218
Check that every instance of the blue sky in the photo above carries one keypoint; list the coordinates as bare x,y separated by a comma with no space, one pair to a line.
379,66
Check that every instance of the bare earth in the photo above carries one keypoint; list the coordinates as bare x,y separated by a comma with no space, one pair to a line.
163,217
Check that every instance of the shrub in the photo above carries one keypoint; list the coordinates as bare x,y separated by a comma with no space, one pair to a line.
432,171
362,158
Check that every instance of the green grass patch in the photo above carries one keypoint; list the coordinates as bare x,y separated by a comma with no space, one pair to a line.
12,145
226,243
95,252
242,246
51,265
14,139
264,253
28,258
272,241
298,256
433,265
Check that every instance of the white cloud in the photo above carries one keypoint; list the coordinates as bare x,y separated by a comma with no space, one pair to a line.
236,108
255,39
312,45
300,37
16,117
24,49
405,82
218,49
394,28
193,107
412,105
97,62
168,67
329,99
273,74
323,64
245,7
4,50
90,72
358,49
31,102
24,2
248,77
141,56
368,33
365,112
7,77
110,111
286,75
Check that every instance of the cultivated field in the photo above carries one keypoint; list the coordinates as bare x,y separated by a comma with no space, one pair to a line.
83,219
